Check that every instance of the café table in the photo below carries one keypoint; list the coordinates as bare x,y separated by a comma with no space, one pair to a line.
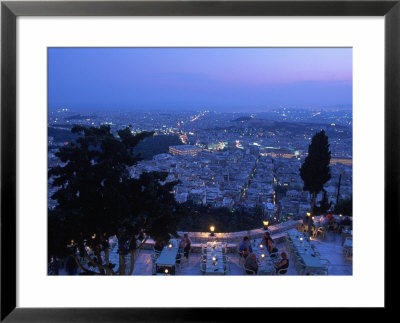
214,259
167,258
306,253
265,264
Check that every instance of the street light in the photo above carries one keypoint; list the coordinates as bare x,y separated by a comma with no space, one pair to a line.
212,228
265,224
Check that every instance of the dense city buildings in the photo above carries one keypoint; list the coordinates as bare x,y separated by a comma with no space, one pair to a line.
184,150
230,160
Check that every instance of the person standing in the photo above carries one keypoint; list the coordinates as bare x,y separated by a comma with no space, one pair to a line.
185,245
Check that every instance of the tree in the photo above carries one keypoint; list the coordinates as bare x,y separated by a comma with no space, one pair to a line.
98,199
324,205
315,171
344,207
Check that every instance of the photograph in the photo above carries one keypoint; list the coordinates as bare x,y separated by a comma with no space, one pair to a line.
193,161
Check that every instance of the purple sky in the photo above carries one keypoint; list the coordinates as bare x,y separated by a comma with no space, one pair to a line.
221,79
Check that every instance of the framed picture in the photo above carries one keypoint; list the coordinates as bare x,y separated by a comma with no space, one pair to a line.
227,103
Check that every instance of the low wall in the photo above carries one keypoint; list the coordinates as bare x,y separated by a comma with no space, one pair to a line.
234,238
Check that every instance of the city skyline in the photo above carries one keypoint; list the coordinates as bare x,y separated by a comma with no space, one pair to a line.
220,79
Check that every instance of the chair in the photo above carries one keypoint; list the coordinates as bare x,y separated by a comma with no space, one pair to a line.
282,271
225,258
300,266
314,232
224,248
203,267
347,250
178,261
326,263
153,264
187,251
249,271
322,231
226,268
241,259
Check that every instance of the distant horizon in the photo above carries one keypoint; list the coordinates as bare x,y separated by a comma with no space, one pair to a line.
233,80
155,110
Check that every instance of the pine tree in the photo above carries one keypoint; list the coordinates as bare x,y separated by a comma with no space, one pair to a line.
315,171
97,199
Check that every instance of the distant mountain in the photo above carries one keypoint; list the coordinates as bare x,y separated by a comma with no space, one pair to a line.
155,145
61,134
80,117
148,147
242,119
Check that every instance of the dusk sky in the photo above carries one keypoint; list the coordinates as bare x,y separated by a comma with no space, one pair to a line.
220,79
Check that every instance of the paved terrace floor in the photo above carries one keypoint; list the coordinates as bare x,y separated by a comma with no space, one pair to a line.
330,249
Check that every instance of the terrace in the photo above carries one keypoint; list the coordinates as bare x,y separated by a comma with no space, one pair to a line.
332,248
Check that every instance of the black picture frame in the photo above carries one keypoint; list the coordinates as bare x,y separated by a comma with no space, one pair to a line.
10,10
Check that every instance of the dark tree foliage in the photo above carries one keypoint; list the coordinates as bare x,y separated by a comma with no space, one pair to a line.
155,145
324,206
97,198
344,207
225,220
281,190
315,171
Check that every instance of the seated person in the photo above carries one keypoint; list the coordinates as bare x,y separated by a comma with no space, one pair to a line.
266,238
245,252
322,220
331,221
245,244
251,263
159,245
282,264
271,248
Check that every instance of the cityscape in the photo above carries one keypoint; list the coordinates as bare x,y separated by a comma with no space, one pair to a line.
236,159
245,162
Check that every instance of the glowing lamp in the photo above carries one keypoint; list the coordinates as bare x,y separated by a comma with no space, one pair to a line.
170,245
308,213
262,255
261,246
166,271
265,223
301,239
213,258
212,228
340,215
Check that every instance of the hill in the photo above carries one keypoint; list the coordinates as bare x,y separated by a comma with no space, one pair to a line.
155,145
